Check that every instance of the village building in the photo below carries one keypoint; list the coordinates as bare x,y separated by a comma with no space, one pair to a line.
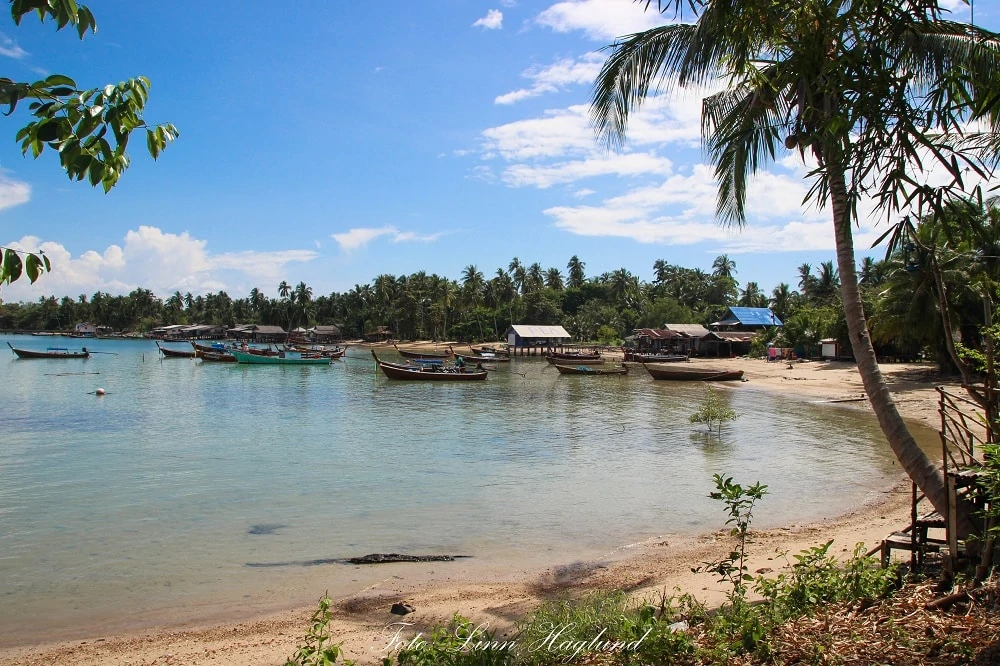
531,339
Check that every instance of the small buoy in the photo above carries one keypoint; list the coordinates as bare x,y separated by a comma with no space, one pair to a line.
100,391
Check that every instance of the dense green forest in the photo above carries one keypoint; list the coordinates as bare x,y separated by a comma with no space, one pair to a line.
899,294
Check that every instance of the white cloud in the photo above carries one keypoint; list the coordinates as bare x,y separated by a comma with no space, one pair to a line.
9,48
13,192
681,211
150,258
356,238
563,132
492,21
555,77
634,164
602,20
583,193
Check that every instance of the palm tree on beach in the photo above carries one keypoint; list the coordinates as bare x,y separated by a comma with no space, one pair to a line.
791,70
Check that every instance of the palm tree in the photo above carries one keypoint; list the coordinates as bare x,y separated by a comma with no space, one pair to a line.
723,266
781,301
827,282
554,279
792,69
575,274
752,296
284,290
517,274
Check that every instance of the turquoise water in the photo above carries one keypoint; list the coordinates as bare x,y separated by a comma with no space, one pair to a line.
173,489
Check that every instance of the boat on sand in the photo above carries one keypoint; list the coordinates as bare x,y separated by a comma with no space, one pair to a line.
682,373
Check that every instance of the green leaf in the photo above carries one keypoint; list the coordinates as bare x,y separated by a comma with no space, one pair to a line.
62,91
11,266
48,131
60,80
32,267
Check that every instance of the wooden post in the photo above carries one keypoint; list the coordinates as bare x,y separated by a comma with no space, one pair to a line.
952,526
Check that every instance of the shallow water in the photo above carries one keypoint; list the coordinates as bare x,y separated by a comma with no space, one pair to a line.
162,493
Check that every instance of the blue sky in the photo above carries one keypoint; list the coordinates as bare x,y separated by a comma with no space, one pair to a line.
335,141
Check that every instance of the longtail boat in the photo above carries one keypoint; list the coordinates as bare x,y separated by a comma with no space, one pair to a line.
672,372
485,349
576,360
283,358
326,352
643,357
51,352
482,358
406,353
175,353
572,357
430,372
590,370
221,356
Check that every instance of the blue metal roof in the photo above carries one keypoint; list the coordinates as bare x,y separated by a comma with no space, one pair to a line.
750,317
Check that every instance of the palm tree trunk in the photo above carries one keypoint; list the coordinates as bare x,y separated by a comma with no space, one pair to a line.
912,459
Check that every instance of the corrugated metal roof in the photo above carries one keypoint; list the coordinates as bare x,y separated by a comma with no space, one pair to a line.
732,336
528,331
657,334
750,317
690,330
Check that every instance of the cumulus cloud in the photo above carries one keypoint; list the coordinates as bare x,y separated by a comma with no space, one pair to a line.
492,21
681,211
359,237
153,259
555,77
602,20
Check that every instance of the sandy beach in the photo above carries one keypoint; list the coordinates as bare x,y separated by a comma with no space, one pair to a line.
364,624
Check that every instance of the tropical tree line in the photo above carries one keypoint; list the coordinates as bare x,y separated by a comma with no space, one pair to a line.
605,307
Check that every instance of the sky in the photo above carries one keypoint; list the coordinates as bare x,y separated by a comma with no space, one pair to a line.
330,142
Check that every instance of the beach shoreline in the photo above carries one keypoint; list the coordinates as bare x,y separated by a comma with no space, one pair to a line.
649,568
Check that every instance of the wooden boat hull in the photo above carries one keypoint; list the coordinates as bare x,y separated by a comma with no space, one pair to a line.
284,358
575,361
471,358
175,353
49,353
216,357
406,353
683,374
431,373
322,351
589,370
572,358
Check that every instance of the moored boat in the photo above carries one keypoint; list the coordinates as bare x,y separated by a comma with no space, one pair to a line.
322,350
590,370
643,357
427,372
283,358
175,353
482,358
575,360
573,356
672,372
222,356
407,353
51,352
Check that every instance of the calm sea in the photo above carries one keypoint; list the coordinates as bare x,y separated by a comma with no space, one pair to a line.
196,486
